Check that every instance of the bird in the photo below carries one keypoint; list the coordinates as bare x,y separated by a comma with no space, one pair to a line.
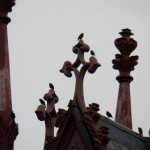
42,101
109,114
13,116
92,52
51,86
80,36
140,130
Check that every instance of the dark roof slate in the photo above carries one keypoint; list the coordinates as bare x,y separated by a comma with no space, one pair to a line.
122,138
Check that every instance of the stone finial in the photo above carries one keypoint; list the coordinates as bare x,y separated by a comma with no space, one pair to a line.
99,134
80,48
48,114
125,64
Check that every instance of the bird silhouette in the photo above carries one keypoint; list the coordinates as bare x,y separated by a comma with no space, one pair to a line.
51,86
140,130
42,101
13,116
92,52
109,114
80,36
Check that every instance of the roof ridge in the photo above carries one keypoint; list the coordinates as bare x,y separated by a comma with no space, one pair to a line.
122,127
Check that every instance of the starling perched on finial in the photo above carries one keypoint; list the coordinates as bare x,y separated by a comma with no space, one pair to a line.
42,101
140,130
109,114
51,86
13,116
92,52
81,36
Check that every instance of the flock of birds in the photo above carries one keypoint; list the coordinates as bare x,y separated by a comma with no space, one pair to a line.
140,130
108,114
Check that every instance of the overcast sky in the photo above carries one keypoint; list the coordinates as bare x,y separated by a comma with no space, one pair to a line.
41,36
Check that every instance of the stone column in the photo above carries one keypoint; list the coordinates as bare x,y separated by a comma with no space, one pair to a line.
8,127
5,89
125,64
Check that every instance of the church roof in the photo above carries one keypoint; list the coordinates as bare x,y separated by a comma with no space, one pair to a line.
118,136
122,138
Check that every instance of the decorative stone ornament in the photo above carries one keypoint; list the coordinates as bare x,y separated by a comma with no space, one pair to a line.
125,64
80,48
47,113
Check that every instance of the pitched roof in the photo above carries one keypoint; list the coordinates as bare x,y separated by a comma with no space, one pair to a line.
122,138
73,129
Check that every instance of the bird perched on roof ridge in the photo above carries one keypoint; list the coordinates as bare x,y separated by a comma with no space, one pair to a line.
80,36
109,114
140,130
42,101
92,53
51,86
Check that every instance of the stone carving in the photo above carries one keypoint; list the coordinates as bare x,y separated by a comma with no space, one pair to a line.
91,115
99,134
90,66
125,64
48,114
60,117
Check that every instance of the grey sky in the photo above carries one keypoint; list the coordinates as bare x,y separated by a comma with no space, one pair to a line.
41,36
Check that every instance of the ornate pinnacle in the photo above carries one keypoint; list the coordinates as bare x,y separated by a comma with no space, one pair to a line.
42,110
48,114
80,48
124,62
